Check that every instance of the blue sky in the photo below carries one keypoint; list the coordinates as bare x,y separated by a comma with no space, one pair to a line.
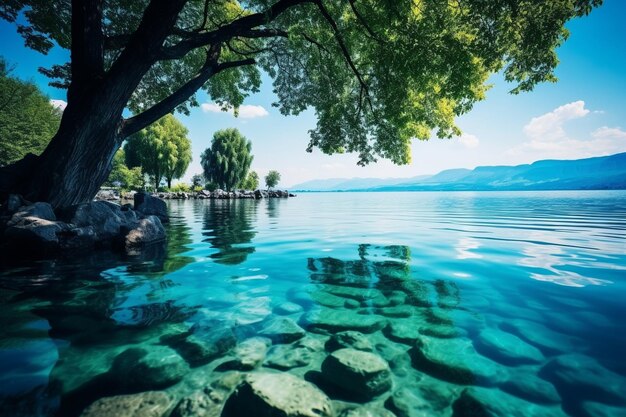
582,115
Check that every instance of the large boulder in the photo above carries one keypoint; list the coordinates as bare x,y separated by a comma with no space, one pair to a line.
486,402
277,395
363,375
38,210
349,339
331,320
286,357
142,369
148,205
144,404
282,330
107,219
148,230
34,234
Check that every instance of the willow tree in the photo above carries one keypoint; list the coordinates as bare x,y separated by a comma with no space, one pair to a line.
378,73
227,161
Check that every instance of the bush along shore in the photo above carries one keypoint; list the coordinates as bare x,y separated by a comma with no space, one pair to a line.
114,195
36,229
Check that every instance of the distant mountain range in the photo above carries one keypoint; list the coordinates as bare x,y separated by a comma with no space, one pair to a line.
599,173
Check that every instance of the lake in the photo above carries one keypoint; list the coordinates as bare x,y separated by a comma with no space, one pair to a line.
465,304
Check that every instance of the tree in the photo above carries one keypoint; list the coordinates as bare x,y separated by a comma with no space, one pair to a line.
251,182
27,119
377,73
271,179
162,150
227,161
127,178
198,180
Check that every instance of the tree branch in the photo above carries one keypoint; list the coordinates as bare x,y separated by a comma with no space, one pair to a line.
168,104
344,49
241,27
361,19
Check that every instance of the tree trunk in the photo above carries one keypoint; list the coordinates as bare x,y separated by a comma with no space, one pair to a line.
169,183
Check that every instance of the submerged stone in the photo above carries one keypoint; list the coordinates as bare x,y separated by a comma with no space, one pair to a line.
401,311
584,378
277,395
544,338
456,361
145,404
366,411
287,308
507,348
349,339
287,357
403,331
363,375
594,409
282,330
143,369
530,387
205,344
339,320
250,353
495,403
408,403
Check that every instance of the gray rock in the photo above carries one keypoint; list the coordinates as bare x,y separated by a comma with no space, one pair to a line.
277,395
507,348
148,205
361,374
197,404
142,369
456,361
39,210
585,378
144,404
13,203
403,331
349,339
35,233
494,403
106,219
401,311
282,330
312,343
287,308
339,320
287,357
148,230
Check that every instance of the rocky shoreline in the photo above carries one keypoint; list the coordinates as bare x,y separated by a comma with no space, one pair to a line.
36,229
113,195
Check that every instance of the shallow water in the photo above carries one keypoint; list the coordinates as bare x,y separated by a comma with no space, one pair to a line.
514,299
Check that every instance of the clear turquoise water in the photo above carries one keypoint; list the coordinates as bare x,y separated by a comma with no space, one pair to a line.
525,290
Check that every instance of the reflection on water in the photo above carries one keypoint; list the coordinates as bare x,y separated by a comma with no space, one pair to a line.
454,291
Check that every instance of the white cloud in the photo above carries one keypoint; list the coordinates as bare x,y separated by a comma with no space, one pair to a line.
468,140
547,138
246,111
609,132
549,127
58,104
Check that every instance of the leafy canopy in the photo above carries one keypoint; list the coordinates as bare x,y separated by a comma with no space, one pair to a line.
251,182
124,177
27,119
272,178
377,73
162,150
227,161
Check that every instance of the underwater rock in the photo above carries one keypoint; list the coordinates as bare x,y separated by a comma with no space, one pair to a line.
362,295
408,403
286,357
326,299
506,348
584,378
442,331
287,308
349,339
530,387
366,411
277,395
401,311
494,403
364,375
594,409
549,341
339,320
144,404
282,330
312,343
250,353
143,369
456,361
209,401
403,331
205,344
396,298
